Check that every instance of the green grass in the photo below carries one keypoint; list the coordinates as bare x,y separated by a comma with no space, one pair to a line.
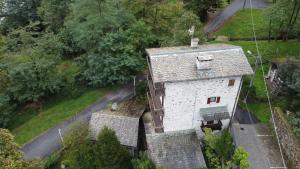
261,110
240,25
271,50
33,123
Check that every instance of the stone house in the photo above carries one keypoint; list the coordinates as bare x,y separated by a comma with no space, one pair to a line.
195,87
126,123
190,88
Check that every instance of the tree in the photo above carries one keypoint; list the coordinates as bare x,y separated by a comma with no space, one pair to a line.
78,151
218,149
17,13
200,7
10,155
34,79
143,162
53,13
113,40
110,154
240,158
6,110
289,74
169,20
116,58
222,145
283,16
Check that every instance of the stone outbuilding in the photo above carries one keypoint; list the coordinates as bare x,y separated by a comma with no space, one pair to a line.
124,119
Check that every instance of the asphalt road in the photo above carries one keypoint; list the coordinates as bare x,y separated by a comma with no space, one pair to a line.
258,139
50,141
236,5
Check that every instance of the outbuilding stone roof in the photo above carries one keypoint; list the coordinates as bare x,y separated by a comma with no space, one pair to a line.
176,150
126,128
179,63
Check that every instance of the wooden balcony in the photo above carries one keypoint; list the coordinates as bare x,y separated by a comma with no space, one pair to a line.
157,89
157,112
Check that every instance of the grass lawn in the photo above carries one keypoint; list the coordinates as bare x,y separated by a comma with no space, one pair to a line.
240,25
28,125
260,110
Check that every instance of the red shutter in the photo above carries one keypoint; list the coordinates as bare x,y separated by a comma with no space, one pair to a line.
218,99
208,101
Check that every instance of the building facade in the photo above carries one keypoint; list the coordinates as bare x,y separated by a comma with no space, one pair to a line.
193,88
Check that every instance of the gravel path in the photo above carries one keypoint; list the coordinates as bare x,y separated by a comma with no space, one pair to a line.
229,11
48,142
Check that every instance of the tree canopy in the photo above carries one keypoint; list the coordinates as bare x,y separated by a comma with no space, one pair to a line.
10,156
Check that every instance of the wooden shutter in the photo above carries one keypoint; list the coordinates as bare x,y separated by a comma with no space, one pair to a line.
208,101
218,99
231,82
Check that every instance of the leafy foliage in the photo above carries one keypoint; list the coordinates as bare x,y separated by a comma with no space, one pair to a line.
34,79
143,162
169,20
79,149
109,152
240,158
10,156
290,75
6,110
18,13
53,13
284,18
219,150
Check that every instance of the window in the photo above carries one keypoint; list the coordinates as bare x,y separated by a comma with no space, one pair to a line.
213,100
231,82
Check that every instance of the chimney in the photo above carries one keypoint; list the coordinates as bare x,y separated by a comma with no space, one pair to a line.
194,42
203,62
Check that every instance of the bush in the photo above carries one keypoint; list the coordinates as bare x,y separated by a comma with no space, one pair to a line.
53,159
110,154
143,162
79,148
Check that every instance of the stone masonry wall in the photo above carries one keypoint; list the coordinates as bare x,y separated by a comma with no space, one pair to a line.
289,142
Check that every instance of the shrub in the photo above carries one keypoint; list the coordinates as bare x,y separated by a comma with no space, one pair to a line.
143,162
110,154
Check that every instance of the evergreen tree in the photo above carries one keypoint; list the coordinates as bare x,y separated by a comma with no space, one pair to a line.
110,154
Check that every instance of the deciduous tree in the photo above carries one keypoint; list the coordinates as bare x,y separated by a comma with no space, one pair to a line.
10,155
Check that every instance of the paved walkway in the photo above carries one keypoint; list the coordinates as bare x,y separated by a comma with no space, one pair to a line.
49,141
229,11
257,139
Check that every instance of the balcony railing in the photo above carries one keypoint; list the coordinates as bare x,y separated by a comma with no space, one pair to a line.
157,89
212,126
157,113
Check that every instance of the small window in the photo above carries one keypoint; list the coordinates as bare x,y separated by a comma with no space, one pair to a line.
213,100
231,82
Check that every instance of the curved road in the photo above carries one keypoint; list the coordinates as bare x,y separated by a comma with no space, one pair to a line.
236,5
48,142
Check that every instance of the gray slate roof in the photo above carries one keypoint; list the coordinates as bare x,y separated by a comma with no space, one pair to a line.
176,150
179,63
126,128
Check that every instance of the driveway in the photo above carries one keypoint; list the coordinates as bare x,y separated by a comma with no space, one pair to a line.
50,141
229,11
258,139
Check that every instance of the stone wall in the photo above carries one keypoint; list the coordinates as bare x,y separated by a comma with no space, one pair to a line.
183,101
289,142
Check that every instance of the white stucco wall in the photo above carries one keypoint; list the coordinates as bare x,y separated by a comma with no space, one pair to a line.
183,101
